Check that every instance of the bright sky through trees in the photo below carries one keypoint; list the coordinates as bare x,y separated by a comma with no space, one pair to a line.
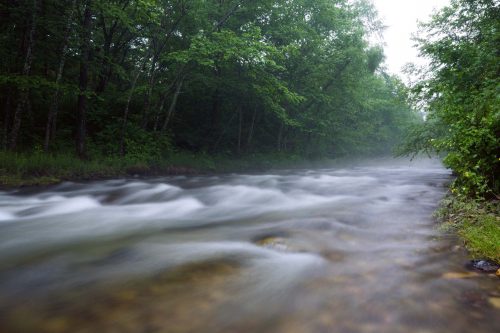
400,17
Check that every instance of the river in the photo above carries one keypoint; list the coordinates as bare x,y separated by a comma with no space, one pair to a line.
348,248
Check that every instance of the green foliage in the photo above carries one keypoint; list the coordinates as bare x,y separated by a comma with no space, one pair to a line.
460,92
140,145
243,78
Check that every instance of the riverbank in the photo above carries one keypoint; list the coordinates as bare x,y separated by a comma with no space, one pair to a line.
476,222
38,168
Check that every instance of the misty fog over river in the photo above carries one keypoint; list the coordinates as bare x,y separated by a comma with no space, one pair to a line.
348,248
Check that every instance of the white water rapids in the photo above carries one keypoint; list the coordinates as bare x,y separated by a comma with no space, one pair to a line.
341,249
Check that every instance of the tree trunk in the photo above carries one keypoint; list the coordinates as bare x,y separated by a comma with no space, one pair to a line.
126,112
50,128
309,141
147,100
7,115
24,93
161,107
81,131
105,70
171,109
280,135
252,125
214,114
240,122
152,77
223,132
285,139
111,48
160,110
129,100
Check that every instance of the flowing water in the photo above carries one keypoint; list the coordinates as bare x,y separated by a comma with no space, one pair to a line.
342,249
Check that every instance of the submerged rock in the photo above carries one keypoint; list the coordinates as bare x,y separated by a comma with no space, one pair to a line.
275,243
458,275
495,302
485,266
276,240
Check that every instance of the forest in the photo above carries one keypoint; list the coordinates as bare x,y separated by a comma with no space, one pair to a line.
142,78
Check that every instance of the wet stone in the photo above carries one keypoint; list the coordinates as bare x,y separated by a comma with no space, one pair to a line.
485,266
458,275
335,256
274,243
495,302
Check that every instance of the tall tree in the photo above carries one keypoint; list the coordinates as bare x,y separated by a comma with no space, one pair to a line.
81,131
50,128
23,101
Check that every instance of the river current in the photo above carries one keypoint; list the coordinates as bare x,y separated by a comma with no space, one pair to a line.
348,248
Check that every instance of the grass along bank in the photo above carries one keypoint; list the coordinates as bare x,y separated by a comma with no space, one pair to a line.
477,222
38,168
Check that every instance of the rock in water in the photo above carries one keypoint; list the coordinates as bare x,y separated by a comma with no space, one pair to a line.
275,243
458,275
483,266
495,301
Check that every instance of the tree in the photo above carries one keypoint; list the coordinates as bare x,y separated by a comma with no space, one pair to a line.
460,93
81,131
23,101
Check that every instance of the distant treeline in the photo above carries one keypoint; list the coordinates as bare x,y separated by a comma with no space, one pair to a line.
144,77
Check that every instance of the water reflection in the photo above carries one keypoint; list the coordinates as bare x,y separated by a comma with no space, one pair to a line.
351,249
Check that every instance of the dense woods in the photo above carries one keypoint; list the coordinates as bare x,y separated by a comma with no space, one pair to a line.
459,92
142,78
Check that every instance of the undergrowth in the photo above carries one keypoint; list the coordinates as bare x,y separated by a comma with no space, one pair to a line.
477,222
39,168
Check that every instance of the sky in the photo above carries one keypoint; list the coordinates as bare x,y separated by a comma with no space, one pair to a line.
400,17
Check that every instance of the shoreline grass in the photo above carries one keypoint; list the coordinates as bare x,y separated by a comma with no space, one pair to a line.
38,168
476,222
